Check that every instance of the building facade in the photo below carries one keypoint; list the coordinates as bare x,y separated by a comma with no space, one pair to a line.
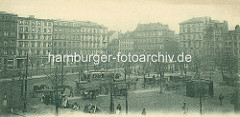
149,38
231,48
202,37
126,43
8,38
84,38
34,39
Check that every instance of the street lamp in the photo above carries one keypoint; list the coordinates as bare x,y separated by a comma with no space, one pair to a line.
111,94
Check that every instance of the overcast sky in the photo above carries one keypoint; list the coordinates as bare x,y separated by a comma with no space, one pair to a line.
125,15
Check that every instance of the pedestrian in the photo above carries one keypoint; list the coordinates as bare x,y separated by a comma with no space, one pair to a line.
143,112
75,106
119,108
71,93
185,108
5,102
221,97
42,98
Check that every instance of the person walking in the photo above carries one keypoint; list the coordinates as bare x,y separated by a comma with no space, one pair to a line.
221,97
143,112
5,102
185,108
119,108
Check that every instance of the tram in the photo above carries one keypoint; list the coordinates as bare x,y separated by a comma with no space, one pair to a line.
95,83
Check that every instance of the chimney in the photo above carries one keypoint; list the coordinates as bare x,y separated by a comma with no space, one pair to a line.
31,16
237,28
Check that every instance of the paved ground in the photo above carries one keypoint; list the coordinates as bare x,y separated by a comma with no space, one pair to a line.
153,101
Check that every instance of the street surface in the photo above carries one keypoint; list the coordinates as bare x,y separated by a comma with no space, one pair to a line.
152,100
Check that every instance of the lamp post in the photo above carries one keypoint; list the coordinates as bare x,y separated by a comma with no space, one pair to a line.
25,88
111,94
126,95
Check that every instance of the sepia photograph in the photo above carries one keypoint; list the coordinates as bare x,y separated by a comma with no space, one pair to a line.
119,58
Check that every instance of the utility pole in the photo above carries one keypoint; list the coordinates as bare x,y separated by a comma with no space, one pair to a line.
126,95
79,73
56,90
50,69
62,73
201,98
25,91
111,92
111,95
22,81
201,94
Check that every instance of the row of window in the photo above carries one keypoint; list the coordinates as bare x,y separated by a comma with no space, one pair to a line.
75,44
7,51
151,33
80,30
192,44
35,23
56,44
81,52
34,44
148,40
8,43
190,28
235,37
7,34
232,44
8,17
34,36
79,37
32,52
72,24
191,36
148,47
7,25
39,30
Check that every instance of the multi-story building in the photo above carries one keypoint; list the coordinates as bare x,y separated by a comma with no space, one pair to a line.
34,39
149,38
232,46
202,37
120,43
113,44
8,37
80,37
126,43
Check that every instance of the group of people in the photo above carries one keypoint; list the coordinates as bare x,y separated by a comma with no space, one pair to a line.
91,108
185,108
47,99
90,95
119,110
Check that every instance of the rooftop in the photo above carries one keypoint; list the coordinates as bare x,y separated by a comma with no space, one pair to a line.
196,20
151,26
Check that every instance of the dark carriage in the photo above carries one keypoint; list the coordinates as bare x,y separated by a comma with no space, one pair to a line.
195,87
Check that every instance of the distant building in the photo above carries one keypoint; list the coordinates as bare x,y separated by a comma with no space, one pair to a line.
114,41
232,46
34,39
149,38
84,38
202,37
126,43
8,38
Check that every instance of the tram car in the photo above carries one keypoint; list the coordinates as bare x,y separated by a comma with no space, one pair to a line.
149,81
94,83
100,76
194,87
182,78
120,88
230,79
